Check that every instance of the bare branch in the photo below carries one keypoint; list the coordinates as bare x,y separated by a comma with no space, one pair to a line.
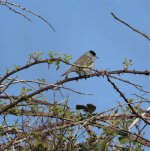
126,100
15,11
9,5
97,72
137,120
144,35
131,83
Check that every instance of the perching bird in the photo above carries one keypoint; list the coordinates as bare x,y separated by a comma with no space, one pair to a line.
86,61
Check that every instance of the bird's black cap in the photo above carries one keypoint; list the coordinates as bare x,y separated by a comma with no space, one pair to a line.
92,52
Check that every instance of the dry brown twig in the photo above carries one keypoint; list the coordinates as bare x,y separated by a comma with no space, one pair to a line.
131,83
12,6
137,31
126,100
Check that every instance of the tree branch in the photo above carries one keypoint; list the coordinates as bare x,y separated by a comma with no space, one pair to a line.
137,31
126,100
10,5
97,72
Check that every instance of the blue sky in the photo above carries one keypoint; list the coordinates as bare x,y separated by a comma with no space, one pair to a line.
81,25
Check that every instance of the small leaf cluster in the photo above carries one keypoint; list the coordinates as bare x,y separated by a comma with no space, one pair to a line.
35,56
127,63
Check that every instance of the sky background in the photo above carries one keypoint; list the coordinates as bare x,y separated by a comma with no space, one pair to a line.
80,25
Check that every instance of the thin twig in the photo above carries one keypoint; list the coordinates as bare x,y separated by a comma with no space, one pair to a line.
137,120
31,12
126,100
144,35
10,8
8,84
131,83
7,3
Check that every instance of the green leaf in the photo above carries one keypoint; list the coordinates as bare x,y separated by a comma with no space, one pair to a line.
16,66
123,140
100,146
84,148
127,63
57,63
35,56
116,111
23,91
67,57
51,54
29,90
58,54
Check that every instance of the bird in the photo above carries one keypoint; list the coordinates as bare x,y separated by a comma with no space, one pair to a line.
86,61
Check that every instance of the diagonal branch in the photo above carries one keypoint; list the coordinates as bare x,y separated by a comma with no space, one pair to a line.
9,5
137,31
126,100
17,12
140,88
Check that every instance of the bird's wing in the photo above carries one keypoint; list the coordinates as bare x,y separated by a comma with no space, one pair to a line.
83,61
